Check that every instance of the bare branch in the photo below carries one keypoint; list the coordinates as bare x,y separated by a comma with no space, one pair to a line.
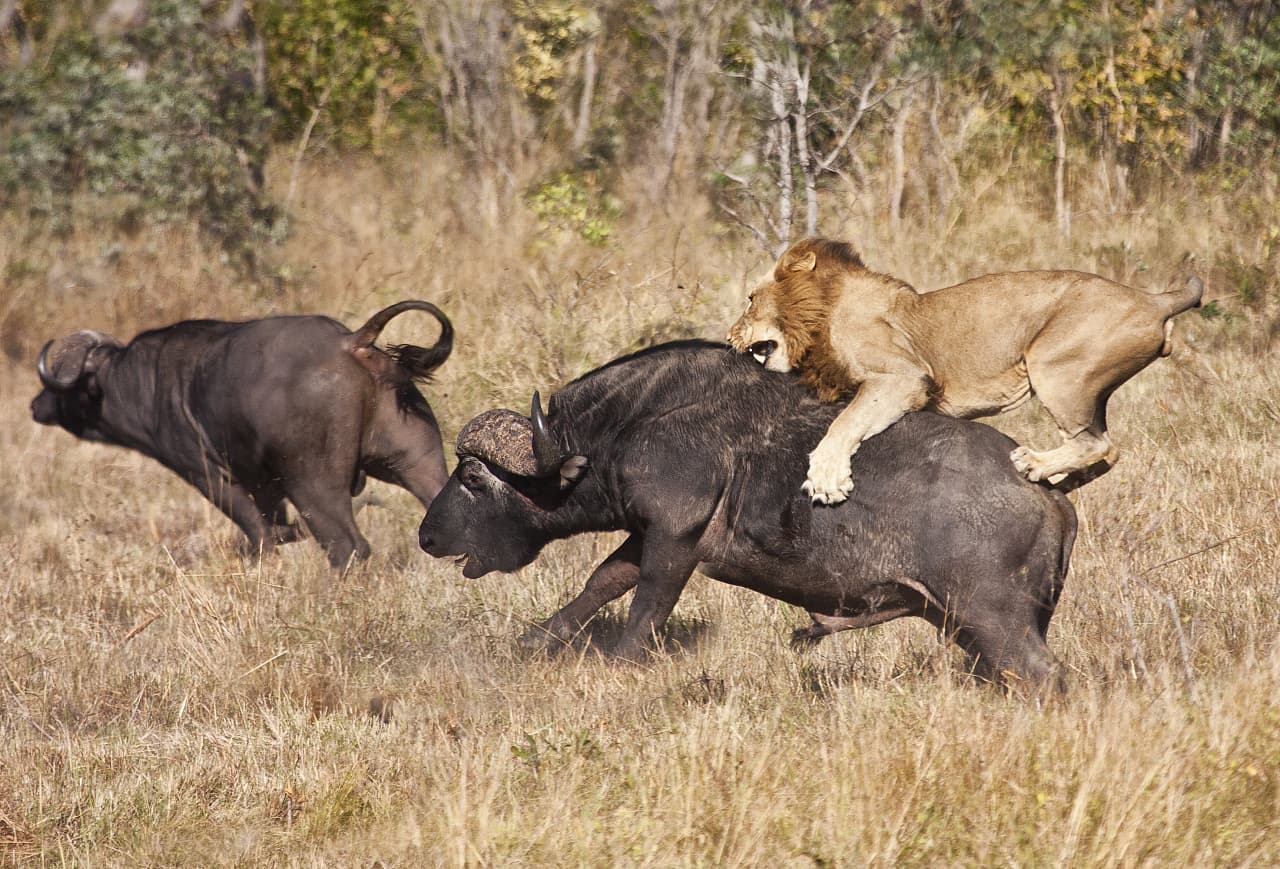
755,231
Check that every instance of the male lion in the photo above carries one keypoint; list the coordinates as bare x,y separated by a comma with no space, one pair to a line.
975,349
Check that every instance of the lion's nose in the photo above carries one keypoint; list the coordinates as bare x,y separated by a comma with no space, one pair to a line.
762,350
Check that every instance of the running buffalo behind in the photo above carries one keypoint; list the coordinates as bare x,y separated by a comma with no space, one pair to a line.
699,452
256,412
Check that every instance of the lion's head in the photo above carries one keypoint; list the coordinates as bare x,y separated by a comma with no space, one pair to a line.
785,324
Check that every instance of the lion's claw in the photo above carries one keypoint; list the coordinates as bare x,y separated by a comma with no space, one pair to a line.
1022,460
1032,465
830,481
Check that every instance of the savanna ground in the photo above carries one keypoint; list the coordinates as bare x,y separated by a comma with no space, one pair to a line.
164,703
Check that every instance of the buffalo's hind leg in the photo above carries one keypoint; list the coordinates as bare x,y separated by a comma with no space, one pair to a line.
403,446
1016,657
614,577
1003,626
325,508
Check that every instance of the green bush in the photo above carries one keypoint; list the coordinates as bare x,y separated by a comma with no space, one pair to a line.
163,124
356,64
571,202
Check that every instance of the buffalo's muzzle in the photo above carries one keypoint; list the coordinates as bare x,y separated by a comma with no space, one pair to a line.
427,543
44,408
762,350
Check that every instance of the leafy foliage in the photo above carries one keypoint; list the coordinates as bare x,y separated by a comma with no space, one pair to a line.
358,65
166,126
546,33
571,202
167,119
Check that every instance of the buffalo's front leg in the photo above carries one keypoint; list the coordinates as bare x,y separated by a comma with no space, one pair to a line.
665,567
270,501
614,577
238,505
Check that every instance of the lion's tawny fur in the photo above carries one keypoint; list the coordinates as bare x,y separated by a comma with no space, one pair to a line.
974,349
805,299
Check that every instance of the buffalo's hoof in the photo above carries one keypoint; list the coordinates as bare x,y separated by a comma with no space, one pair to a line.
631,653
286,533
540,638
805,638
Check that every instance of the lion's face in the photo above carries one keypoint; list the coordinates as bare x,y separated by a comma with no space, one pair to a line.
758,331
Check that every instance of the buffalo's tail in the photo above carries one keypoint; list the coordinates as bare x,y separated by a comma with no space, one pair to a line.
417,362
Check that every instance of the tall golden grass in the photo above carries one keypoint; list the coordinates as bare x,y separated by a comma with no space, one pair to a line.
164,703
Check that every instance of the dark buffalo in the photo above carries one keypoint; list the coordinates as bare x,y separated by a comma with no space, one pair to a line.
699,453
252,413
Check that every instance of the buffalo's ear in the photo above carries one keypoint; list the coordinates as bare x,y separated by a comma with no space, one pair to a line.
572,469
92,387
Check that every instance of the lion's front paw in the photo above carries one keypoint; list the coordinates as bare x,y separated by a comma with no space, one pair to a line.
830,477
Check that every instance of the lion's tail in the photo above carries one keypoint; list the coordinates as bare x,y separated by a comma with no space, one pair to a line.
1182,299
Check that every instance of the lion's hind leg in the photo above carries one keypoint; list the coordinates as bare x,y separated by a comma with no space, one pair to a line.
1074,372
1088,451
1081,416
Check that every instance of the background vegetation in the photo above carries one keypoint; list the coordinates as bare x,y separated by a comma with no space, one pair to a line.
569,181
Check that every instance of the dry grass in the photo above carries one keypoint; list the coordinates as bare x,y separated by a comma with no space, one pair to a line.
164,703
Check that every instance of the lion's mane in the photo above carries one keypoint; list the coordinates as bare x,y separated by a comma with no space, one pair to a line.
804,301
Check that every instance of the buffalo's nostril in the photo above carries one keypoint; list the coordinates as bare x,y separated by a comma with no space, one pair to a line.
762,350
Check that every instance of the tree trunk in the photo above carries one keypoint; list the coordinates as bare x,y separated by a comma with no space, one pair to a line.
807,164
582,129
1224,131
1061,211
786,186
897,184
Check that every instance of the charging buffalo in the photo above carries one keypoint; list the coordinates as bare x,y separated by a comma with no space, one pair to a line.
698,452
252,413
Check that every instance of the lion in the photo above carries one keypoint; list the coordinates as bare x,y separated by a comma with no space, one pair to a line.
975,349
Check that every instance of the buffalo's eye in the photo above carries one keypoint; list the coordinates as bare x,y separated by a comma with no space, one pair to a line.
471,477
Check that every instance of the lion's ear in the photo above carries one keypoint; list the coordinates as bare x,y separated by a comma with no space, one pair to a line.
800,262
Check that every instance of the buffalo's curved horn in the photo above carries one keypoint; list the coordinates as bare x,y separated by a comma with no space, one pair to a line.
546,452
64,361
42,368
68,364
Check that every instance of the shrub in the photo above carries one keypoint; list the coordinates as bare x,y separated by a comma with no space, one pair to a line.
571,202
164,124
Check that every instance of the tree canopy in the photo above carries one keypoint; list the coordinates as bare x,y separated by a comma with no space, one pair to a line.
169,107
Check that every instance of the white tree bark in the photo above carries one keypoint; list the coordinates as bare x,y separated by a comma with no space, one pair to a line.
898,183
1057,110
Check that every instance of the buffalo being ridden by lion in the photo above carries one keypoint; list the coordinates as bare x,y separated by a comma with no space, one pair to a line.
698,453
975,349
